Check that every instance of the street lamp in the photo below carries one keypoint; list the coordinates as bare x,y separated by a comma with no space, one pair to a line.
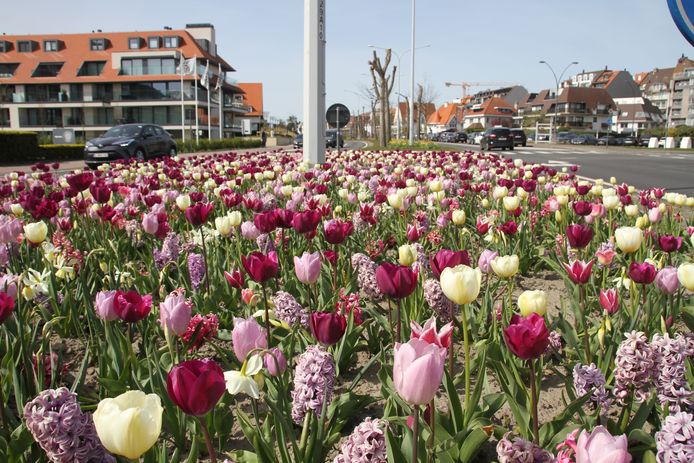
557,81
411,134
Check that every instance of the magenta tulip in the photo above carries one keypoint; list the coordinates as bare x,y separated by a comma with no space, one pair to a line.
307,267
266,221
196,386
609,300
328,327
418,370
175,312
131,306
600,446
260,267
579,271
579,235
80,182
666,280
669,243
527,337
306,221
197,213
246,336
396,281
235,279
6,306
642,273
336,231
445,258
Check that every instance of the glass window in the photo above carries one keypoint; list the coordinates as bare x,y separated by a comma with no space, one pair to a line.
159,130
8,69
153,66
4,117
153,42
168,66
5,46
50,45
148,131
160,115
97,44
47,70
134,43
91,68
103,92
171,42
25,46
76,93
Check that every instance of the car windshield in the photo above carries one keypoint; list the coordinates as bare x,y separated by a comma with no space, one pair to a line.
123,131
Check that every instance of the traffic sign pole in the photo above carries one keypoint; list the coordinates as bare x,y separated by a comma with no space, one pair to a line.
314,81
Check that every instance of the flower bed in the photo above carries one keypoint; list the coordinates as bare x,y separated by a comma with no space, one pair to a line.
385,306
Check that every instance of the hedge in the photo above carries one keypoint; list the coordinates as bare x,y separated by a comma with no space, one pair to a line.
61,152
18,146
189,146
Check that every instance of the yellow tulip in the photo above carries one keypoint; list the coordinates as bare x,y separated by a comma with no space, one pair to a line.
632,210
130,424
505,266
183,202
36,232
407,255
17,209
628,238
458,217
610,202
532,301
685,273
511,203
235,218
461,284
435,186
223,225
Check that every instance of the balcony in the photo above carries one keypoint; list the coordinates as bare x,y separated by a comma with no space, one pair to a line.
238,106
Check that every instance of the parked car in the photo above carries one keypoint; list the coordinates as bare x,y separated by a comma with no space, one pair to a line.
331,139
461,137
542,137
498,137
448,137
644,140
477,138
519,137
584,140
298,141
630,140
610,140
129,141
565,137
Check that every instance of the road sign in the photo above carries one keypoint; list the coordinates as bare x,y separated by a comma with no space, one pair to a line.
63,136
682,12
337,116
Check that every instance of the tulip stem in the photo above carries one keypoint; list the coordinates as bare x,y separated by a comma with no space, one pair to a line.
415,434
586,336
204,256
267,316
450,349
399,322
533,402
208,440
432,425
466,346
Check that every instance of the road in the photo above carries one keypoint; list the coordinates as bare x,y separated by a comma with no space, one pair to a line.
643,168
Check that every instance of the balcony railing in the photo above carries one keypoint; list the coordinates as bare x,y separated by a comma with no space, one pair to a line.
238,105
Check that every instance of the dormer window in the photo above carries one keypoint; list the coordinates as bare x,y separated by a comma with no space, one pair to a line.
97,44
5,46
154,42
91,68
8,69
50,45
171,42
134,43
47,70
25,46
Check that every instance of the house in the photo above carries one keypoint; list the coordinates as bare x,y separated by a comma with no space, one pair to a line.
512,95
581,108
655,86
250,100
447,116
400,117
491,113
634,115
91,81
619,84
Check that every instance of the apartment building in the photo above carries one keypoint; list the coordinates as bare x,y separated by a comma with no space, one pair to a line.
580,108
671,90
619,84
92,81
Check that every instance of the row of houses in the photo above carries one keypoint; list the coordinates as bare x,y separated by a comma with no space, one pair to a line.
92,81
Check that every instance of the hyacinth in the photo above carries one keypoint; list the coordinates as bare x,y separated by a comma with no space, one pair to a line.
366,444
62,430
555,344
422,263
675,440
265,243
366,275
588,379
134,232
313,382
288,310
170,250
634,367
438,302
203,328
196,269
670,381
521,451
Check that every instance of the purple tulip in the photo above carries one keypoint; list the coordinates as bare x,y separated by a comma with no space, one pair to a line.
307,267
104,305
175,312
246,336
666,280
485,260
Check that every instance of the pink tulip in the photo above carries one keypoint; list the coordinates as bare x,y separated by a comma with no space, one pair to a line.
104,305
601,447
428,333
418,370
605,256
175,312
8,284
249,297
654,215
485,260
249,231
275,362
307,267
609,300
150,223
666,280
246,336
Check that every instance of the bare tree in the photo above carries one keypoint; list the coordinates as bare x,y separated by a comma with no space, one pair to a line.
426,95
367,92
383,86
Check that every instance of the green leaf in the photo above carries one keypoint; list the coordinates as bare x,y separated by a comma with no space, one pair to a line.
649,457
554,428
454,405
641,415
688,316
472,445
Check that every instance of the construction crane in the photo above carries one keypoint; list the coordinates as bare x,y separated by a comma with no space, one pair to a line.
466,85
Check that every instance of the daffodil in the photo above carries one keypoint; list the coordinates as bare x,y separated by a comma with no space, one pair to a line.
35,283
243,381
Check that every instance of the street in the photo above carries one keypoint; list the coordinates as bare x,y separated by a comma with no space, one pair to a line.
643,168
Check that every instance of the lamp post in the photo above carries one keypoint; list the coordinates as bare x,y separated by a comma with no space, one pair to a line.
411,133
556,95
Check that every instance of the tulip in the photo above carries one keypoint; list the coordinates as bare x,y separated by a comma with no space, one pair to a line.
328,327
100,192
336,231
235,279
6,306
129,424
175,313
605,256
81,181
36,232
418,370
642,273
600,446
397,201
527,337
414,232
685,273
266,221
458,217
461,284
628,239
275,362
666,280
306,222
307,267
579,271
223,225
235,218
428,333
669,243
609,300
249,297
582,208
196,386
407,255
396,281
246,336
485,260
197,214
579,235
511,203
532,302
104,305
183,202
150,223
505,266
445,258
260,267
131,306
249,231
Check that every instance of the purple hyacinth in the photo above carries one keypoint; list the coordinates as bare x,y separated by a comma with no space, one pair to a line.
314,378
634,367
289,310
438,302
670,381
422,263
366,275
265,243
170,250
588,379
521,451
555,345
196,269
366,444
62,430
675,440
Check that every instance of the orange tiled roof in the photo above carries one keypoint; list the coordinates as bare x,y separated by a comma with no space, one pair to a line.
492,107
76,49
253,96
444,114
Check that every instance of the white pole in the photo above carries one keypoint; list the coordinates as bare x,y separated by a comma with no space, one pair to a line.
399,91
314,81
411,138
221,114
197,122
183,108
209,106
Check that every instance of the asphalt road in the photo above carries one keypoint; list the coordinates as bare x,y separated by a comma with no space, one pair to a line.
643,168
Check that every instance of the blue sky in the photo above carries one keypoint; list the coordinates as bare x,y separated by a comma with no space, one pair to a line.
481,40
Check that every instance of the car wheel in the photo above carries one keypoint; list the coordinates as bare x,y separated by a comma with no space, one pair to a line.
512,147
140,155
525,143
172,151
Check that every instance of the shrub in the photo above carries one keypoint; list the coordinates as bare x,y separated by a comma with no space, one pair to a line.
18,146
189,146
60,152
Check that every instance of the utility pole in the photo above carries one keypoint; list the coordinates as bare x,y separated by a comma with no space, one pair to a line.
411,128
314,81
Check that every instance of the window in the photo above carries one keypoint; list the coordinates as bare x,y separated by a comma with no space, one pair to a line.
47,70
36,117
5,46
25,46
50,45
42,93
103,116
145,66
171,42
154,42
103,92
91,68
76,93
148,131
97,44
151,91
4,117
134,43
159,130
8,69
